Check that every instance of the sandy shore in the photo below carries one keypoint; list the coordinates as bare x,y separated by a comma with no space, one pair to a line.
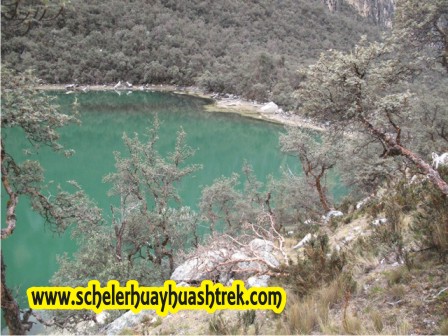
225,104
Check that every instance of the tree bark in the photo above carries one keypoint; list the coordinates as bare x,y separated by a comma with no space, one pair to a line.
13,199
10,308
432,174
322,196
394,146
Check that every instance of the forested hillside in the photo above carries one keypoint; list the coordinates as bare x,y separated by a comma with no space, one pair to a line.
234,46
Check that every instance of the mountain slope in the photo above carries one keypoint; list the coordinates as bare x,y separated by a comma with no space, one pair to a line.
252,49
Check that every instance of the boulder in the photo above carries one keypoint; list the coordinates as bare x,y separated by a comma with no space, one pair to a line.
102,317
270,107
270,259
261,245
305,240
127,320
379,221
222,265
258,281
331,214
200,268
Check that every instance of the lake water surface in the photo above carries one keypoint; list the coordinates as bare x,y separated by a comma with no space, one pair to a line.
222,143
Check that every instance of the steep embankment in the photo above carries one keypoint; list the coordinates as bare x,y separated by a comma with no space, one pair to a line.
363,279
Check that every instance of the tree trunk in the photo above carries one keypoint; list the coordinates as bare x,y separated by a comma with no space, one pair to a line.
11,204
10,308
394,146
322,196
432,174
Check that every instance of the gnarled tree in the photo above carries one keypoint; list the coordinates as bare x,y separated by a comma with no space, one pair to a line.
317,158
365,92
38,117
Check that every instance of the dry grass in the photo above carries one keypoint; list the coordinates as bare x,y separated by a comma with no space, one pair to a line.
218,325
443,329
403,328
397,275
396,292
351,324
332,293
377,321
305,315
440,236
301,317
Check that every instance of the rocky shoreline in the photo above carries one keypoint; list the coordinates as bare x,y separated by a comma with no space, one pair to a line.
226,103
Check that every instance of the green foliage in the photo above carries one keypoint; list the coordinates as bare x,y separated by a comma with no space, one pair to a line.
227,208
35,113
19,17
247,318
147,228
319,265
251,49
430,224
317,158
367,94
218,325
422,25
397,275
295,201
26,108
443,328
37,118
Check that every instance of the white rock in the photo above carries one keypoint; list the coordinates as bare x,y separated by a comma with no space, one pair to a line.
199,268
118,85
183,284
258,281
127,320
441,159
305,240
379,221
270,259
261,245
363,202
221,265
331,214
102,317
270,107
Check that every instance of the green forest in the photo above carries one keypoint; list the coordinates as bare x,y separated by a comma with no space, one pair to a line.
374,262
251,49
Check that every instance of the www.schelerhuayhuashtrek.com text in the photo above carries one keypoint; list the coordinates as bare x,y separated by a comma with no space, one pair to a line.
166,299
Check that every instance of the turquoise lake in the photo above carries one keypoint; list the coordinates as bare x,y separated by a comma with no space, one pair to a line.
222,142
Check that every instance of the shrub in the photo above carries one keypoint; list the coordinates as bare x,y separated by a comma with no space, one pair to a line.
318,266
443,329
377,321
218,325
430,225
396,276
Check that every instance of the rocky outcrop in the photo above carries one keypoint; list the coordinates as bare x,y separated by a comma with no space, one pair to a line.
129,320
201,267
270,107
304,241
379,11
223,265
